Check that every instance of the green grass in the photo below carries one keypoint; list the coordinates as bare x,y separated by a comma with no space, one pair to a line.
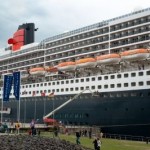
107,144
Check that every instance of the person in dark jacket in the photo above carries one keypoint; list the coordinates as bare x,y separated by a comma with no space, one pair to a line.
95,144
77,137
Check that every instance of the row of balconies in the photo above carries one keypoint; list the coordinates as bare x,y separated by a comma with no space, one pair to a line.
23,58
78,37
79,44
130,32
100,31
130,40
99,39
21,64
130,23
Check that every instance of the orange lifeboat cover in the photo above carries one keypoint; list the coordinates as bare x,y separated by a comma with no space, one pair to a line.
107,56
85,60
66,64
37,69
135,51
52,69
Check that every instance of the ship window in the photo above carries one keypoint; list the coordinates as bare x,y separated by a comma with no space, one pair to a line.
81,88
77,80
71,89
45,84
53,90
67,89
87,79
62,82
26,86
93,79
118,94
105,86
37,85
141,94
33,85
49,83
112,76
30,92
105,77
87,87
112,95
125,84
22,86
119,76
53,83
133,74
49,91
41,84
119,85
99,86
125,94
148,82
29,85
133,94
126,75
76,88
57,83
82,80
93,87
67,82
141,83
148,72
72,81
140,73
112,86
133,83
62,90
57,90
99,78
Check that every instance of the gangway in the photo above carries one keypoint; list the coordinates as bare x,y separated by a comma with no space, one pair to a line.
64,104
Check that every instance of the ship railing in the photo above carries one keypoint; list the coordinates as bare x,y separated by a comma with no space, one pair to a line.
125,137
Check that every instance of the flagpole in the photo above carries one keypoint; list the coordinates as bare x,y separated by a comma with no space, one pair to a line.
2,111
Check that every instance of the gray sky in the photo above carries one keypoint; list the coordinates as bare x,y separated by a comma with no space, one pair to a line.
54,17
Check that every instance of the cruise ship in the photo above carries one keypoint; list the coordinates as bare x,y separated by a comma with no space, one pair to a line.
98,75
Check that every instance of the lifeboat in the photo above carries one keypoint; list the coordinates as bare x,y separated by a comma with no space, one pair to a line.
86,63
136,54
66,66
37,71
51,69
108,59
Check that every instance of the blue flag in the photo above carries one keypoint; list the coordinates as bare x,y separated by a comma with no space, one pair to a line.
17,85
8,79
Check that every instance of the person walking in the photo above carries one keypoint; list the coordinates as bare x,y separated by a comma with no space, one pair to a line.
95,144
99,143
77,138
32,126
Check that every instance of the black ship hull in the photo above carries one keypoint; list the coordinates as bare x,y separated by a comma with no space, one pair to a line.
125,112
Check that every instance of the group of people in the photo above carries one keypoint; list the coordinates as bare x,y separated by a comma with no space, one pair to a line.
97,144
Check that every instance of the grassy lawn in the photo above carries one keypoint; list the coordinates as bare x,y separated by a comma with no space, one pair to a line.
107,144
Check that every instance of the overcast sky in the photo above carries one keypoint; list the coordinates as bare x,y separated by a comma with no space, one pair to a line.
54,17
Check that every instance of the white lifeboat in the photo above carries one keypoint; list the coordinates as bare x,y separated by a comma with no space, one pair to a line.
66,66
86,63
108,59
37,71
136,54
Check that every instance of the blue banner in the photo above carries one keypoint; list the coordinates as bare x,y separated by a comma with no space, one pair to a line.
8,79
17,85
